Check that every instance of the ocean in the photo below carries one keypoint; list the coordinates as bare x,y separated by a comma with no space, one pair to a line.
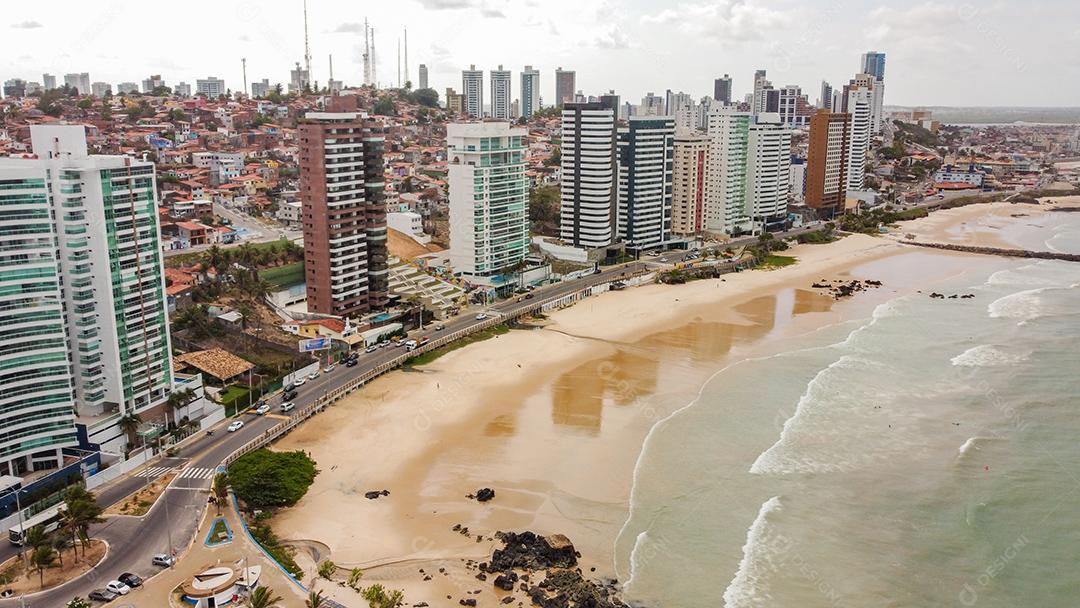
922,452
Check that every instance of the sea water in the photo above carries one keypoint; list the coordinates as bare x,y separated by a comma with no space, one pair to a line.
926,453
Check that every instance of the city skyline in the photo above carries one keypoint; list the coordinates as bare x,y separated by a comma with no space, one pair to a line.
923,42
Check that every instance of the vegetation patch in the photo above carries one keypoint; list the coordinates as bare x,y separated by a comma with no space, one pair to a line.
266,479
264,535
284,276
480,336
777,261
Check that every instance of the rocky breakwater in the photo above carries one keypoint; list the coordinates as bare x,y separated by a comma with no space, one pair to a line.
1009,253
544,569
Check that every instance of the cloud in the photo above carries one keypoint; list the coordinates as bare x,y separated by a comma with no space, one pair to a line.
348,28
723,20
612,38
490,10
27,25
927,29
442,5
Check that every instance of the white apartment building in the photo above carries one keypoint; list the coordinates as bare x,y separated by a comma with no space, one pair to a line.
100,89
81,282
877,88
80,81
472,91
489,199
860,103
530,91
688,178
768,171
645,155
589,195
211,87
182,89
500,94
261,88
127,87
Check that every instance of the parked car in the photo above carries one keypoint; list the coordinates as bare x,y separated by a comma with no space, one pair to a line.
300,381
481,316
102,595
118,588
235,426
262,409
130,579
163,559
288,406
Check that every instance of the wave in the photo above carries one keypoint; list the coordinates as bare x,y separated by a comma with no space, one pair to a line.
972,443
1022,305
748,587
987,355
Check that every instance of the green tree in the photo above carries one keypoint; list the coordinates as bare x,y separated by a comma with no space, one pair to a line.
129,423
315,600
37,537
385,106
263,597
42,558
378,597
77,602
265,478
221,489
59,542
327,569
85,104
426,97
83,511
354,578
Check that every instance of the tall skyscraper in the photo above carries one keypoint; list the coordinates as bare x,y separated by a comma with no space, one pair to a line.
646,151
589,195
768,156
489,198
260,88
748,172
530,91
688,184
472,89
651,105
860,103
794,109
722,89
342,196
84,299
100,89
423,76
873,63
761,85
151,83
210,87
500,94
825,101
80,82
565,86
877,97
826,169
48,82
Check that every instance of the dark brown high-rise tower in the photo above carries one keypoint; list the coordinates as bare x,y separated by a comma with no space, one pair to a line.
826,163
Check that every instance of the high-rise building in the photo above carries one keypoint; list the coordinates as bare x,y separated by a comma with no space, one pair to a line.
182,89
84,307
747,181
423,76
500,94
722,89
589,196
826,170
151,83
768,156
472,89
100,89
455,102
725,184
825,101
759,100
688,176
299,79
80,82
873,63
48,82
565,86
127,87
344,213
489,198
651,105
859,104
645,155
15,87
210,87
877,93
794,109
530,91
260,88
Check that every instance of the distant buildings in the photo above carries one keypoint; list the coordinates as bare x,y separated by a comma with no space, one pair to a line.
299,79
565,86
826,170
80,82
127,87
15,87
472,89
722,89
151,83
873,63
589,193
489,199
825,101
645,156
210,87
455,102
261,88
423,80
100,89
760,97
342,196
83,285
48,81
691,155
182,89
500,94
530,91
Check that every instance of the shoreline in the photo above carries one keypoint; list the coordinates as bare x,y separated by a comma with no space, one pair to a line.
453,425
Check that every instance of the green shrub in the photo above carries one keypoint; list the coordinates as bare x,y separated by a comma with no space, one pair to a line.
264,479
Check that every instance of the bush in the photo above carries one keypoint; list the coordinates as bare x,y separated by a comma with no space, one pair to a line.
264,479
272,544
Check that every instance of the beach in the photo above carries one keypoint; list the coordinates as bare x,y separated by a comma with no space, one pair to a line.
554,418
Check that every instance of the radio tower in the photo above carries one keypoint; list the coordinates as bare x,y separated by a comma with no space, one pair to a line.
243,63
406,54
367,53
307,49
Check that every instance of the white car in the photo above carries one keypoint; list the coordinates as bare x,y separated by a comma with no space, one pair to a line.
329,368
163,559
313,375
481,316
235,426
262,409
118,588
288,406
372,348
299,381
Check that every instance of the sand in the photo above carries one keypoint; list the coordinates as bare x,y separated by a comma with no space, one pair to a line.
552,419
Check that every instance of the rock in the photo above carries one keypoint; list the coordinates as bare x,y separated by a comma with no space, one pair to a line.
481,576
468,602
386,492
485,494
508,599
530,551
456,527
372,495
427,577
506,581
564,588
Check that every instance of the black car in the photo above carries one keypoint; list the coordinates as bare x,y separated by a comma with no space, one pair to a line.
129,579
289,396
350,363
290,388
102,595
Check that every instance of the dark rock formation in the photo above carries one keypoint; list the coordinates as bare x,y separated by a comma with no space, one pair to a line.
566,588
529,551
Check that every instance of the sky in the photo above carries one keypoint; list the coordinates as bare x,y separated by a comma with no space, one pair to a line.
1003,53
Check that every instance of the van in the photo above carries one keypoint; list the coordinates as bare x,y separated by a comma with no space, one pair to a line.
410,344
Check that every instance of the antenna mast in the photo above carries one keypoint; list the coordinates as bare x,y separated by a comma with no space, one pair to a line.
406,54
307,49
243,63
367,53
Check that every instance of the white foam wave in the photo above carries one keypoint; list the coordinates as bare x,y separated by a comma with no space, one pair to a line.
972,443
1022,276
987,355
749,587
1022,305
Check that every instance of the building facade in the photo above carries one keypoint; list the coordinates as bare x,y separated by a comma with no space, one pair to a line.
80,81
500,94
455,102
530,91
565,86
873,63
722,89
423,76
646,152
826,160
768,172
859,104
48,81
489,199
86,331
589,195
210,87
344,213
725,200
688,174
100,89
472,91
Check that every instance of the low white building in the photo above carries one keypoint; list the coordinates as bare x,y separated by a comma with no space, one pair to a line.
410,224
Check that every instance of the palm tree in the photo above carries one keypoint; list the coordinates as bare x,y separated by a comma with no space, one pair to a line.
221,489
354,578
315,600
215,258
37,537
129,424
43,557
85,512
263,597
59,543
69,523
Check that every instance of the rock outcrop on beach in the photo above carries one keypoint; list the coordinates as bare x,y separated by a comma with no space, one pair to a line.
482,495
843,289
545,569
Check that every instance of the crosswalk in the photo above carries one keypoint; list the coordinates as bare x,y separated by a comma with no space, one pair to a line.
198,473
153,472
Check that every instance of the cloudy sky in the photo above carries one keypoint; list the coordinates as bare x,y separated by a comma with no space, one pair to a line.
1015,52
